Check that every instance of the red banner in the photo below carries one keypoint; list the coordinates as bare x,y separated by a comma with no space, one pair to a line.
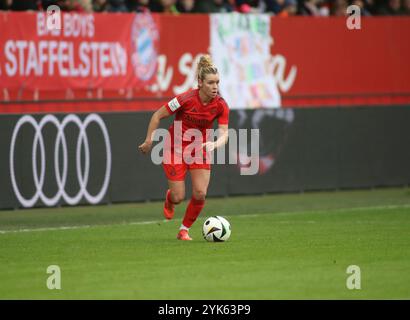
124,62
338,66
88,51
183,40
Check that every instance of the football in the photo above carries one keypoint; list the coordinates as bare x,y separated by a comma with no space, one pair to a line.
216,229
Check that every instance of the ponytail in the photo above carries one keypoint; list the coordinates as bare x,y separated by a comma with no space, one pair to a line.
205,66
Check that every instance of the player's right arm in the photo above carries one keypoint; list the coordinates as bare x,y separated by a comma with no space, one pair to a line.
161,113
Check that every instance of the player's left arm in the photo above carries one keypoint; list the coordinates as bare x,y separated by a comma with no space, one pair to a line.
221,141
223,120
223,136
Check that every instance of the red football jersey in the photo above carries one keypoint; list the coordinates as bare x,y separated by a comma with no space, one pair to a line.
192,114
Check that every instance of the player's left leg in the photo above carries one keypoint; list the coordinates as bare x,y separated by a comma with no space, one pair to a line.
200,182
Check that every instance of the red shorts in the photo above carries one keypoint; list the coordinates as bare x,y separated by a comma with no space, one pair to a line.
177,172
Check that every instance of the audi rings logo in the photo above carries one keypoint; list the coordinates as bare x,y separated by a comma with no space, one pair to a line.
61,172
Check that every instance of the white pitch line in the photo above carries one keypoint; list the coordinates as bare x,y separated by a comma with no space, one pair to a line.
77,227
241,216
326,210
45,229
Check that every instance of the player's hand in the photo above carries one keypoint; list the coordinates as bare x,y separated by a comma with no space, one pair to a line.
145,147
209,146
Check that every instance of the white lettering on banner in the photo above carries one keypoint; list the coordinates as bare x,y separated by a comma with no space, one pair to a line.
74,71
85,58
164,75
44,58
105,58
32,59
42,28
277,68
41,24
62,58
73,25
21,45
11,64
186,67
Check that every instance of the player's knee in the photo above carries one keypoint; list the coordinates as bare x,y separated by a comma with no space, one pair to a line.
199,194
177,197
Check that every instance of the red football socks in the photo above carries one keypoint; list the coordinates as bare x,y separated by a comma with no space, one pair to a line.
192,211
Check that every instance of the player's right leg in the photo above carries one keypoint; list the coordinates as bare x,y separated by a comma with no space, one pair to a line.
176,187
175,195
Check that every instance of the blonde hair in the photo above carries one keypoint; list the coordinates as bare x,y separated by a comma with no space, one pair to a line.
205,66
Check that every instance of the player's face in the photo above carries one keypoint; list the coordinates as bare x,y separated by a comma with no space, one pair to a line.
209,86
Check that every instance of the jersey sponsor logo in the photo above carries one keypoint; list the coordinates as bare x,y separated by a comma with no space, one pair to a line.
174,104
195,121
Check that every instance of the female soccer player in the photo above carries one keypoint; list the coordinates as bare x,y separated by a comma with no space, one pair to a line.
193,109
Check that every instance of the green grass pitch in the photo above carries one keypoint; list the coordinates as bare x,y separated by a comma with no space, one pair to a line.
291,246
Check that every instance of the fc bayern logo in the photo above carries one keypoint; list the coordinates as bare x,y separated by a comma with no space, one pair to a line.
144,44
